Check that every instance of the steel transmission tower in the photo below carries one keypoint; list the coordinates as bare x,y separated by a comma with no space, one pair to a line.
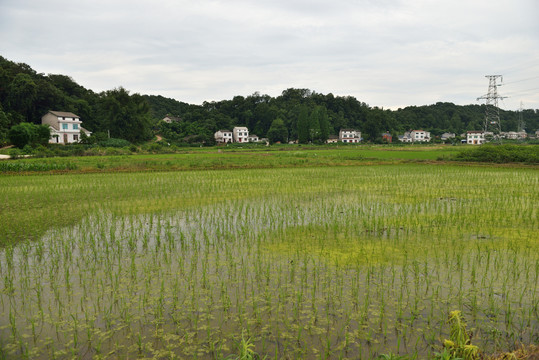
492,127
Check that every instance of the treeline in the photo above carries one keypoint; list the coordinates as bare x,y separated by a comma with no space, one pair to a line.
310,116
25,96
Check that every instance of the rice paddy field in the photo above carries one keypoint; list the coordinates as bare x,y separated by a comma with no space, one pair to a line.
314,262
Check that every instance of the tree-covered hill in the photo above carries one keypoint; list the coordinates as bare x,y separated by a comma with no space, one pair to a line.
26,95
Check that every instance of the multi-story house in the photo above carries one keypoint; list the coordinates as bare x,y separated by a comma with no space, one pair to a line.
387,137
350,136
241,134
475,137
65,127
420,135
223,136
407,137
415,136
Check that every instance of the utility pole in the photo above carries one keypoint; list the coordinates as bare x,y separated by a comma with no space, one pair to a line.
492,127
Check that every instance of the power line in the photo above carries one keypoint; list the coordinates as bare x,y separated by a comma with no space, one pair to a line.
531,63
518,81
492,127
521,91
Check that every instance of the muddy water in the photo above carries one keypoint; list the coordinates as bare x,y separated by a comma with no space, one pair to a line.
298,280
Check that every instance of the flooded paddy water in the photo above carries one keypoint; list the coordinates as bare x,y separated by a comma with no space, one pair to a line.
368,261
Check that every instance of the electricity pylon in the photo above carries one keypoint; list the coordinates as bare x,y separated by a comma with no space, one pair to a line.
492,127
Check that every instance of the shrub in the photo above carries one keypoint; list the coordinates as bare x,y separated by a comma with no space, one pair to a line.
500,154
113,142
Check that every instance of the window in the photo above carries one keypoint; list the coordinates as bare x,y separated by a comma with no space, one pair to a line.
75,137
75,126
64,126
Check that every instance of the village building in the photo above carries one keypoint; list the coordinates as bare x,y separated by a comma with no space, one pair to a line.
65,127
240,134
252,138
446,136
420,136
475,137
170,119
406,138
350,136
415,136
513,135
387,137
223,136
332,139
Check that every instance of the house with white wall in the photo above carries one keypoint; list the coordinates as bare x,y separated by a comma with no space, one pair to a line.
66,127
350,136
406,138
446,136
223,136
514,135
332,139
420,135
241,134
169,119
252,138
475,137
415,136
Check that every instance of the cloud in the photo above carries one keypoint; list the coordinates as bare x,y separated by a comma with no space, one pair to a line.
387,53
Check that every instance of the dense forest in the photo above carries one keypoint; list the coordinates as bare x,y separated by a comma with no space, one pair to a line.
25,96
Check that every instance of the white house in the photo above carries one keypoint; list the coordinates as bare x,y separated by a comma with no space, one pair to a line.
349,136
513,135
420,135
223,136
332,139
407,137
65,127
475,137
241,134
446,136
169,119
252,138
415,136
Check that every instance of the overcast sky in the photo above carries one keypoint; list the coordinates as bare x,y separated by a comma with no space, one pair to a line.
387,53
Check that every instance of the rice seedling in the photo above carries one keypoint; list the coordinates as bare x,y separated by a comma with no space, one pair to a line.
332,262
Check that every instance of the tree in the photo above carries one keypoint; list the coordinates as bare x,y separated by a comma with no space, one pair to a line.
22,95
4,126
314,125
277,131
126,116
372,127
323,122
303,126
26,133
